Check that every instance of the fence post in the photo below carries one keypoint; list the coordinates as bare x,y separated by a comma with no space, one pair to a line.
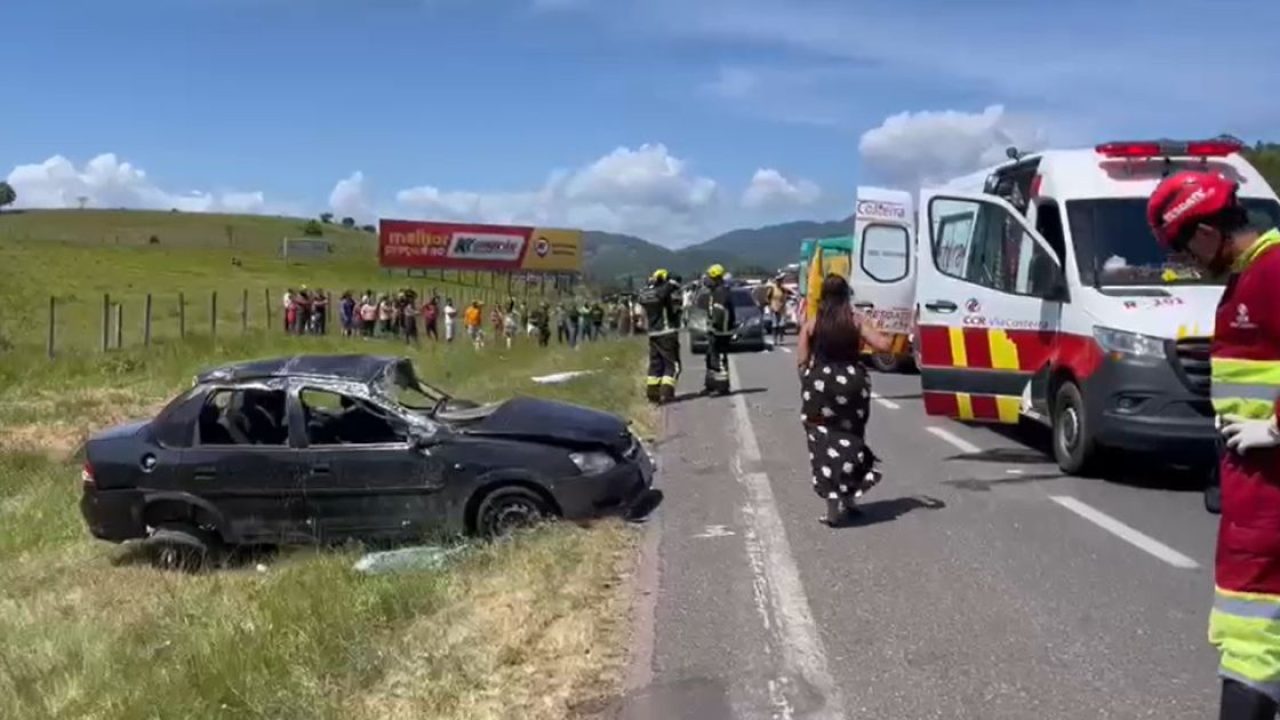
213,314
267,306
53,323
106,321
119,325
244,311
146,321
182,317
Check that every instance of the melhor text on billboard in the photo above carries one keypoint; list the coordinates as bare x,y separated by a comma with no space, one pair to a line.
502,248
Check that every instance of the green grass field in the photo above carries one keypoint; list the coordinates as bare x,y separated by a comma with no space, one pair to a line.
76,257
528,628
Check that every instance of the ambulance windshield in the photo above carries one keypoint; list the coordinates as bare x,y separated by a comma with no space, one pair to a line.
1114,245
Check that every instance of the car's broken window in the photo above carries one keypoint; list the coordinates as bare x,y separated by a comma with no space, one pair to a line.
403,385
336,419
247,416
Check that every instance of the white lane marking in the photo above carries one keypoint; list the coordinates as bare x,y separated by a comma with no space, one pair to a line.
960,444
715,531
1014,471
798,639
886,402
1134,537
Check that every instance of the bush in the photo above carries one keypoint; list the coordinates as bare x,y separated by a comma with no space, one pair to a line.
312,229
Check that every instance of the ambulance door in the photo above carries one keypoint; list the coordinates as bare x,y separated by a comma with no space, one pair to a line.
990,296
882,272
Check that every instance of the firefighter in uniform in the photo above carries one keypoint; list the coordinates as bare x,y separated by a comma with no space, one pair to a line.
1198,215
661,302
720,326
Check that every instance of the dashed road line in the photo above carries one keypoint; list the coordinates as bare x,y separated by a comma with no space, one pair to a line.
786,614
960,444
886,402
1134,537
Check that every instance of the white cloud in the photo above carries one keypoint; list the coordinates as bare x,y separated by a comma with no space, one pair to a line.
349,198
910,149
646,191
770,189
106,182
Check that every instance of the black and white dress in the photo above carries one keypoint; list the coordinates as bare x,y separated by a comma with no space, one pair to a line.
835,407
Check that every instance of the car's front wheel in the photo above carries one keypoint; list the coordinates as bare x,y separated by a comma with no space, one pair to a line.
508,509
1075,446
181,547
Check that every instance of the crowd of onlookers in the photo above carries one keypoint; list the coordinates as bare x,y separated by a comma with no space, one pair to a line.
405,316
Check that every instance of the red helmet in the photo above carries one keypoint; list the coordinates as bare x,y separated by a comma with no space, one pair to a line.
1185,199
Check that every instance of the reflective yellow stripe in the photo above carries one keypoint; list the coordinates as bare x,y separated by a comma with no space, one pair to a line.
1268,241
964,402
1242,408
1245,627
669,381
1010,408
651,380
1004,354
1245,388
959,356
1246,372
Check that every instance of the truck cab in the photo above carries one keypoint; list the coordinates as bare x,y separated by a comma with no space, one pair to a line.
1042,294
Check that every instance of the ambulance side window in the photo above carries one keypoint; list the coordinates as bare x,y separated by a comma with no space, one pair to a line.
983,244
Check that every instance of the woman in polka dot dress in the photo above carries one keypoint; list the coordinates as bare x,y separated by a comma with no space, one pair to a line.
836,400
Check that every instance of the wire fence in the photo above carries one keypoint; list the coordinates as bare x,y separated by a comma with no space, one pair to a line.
78,324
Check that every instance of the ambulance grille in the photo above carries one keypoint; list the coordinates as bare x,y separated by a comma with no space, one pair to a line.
1193,362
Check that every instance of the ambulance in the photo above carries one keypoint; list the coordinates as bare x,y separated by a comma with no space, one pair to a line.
880,270
1041,294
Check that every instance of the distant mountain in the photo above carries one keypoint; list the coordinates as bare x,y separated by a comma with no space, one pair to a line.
611,258
772,246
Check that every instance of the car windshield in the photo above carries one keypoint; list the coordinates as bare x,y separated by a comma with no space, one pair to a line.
404,386
1115,246
742,299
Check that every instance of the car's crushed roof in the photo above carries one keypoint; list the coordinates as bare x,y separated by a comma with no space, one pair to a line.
357,368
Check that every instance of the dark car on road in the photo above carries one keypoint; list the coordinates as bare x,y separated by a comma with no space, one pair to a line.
749,332
317,449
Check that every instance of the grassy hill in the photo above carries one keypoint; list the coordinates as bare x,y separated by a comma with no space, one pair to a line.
78,256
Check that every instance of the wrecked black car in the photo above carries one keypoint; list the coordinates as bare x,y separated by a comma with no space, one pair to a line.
318,449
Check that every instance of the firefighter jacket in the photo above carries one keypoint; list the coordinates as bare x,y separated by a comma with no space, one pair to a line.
720,316
661,303
1245,621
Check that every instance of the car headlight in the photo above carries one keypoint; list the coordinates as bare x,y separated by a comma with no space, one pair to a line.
592,462
1127,343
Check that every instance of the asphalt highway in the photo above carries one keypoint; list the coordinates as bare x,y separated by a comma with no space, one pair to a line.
978,583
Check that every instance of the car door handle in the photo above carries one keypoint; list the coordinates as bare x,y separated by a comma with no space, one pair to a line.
941,306
205,472
321,469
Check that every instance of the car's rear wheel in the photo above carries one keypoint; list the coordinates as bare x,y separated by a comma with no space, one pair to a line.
181,547
508,509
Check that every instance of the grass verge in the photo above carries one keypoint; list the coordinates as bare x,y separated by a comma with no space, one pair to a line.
522,629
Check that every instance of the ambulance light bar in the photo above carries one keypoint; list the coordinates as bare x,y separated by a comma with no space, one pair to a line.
1221,147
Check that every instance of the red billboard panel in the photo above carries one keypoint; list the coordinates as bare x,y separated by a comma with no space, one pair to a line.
459,246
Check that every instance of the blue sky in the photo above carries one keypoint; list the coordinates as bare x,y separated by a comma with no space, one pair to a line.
673,119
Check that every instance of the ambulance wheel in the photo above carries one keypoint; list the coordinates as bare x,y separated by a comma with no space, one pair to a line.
1074,445
885,362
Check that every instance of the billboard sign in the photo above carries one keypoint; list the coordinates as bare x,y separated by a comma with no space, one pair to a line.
456,246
